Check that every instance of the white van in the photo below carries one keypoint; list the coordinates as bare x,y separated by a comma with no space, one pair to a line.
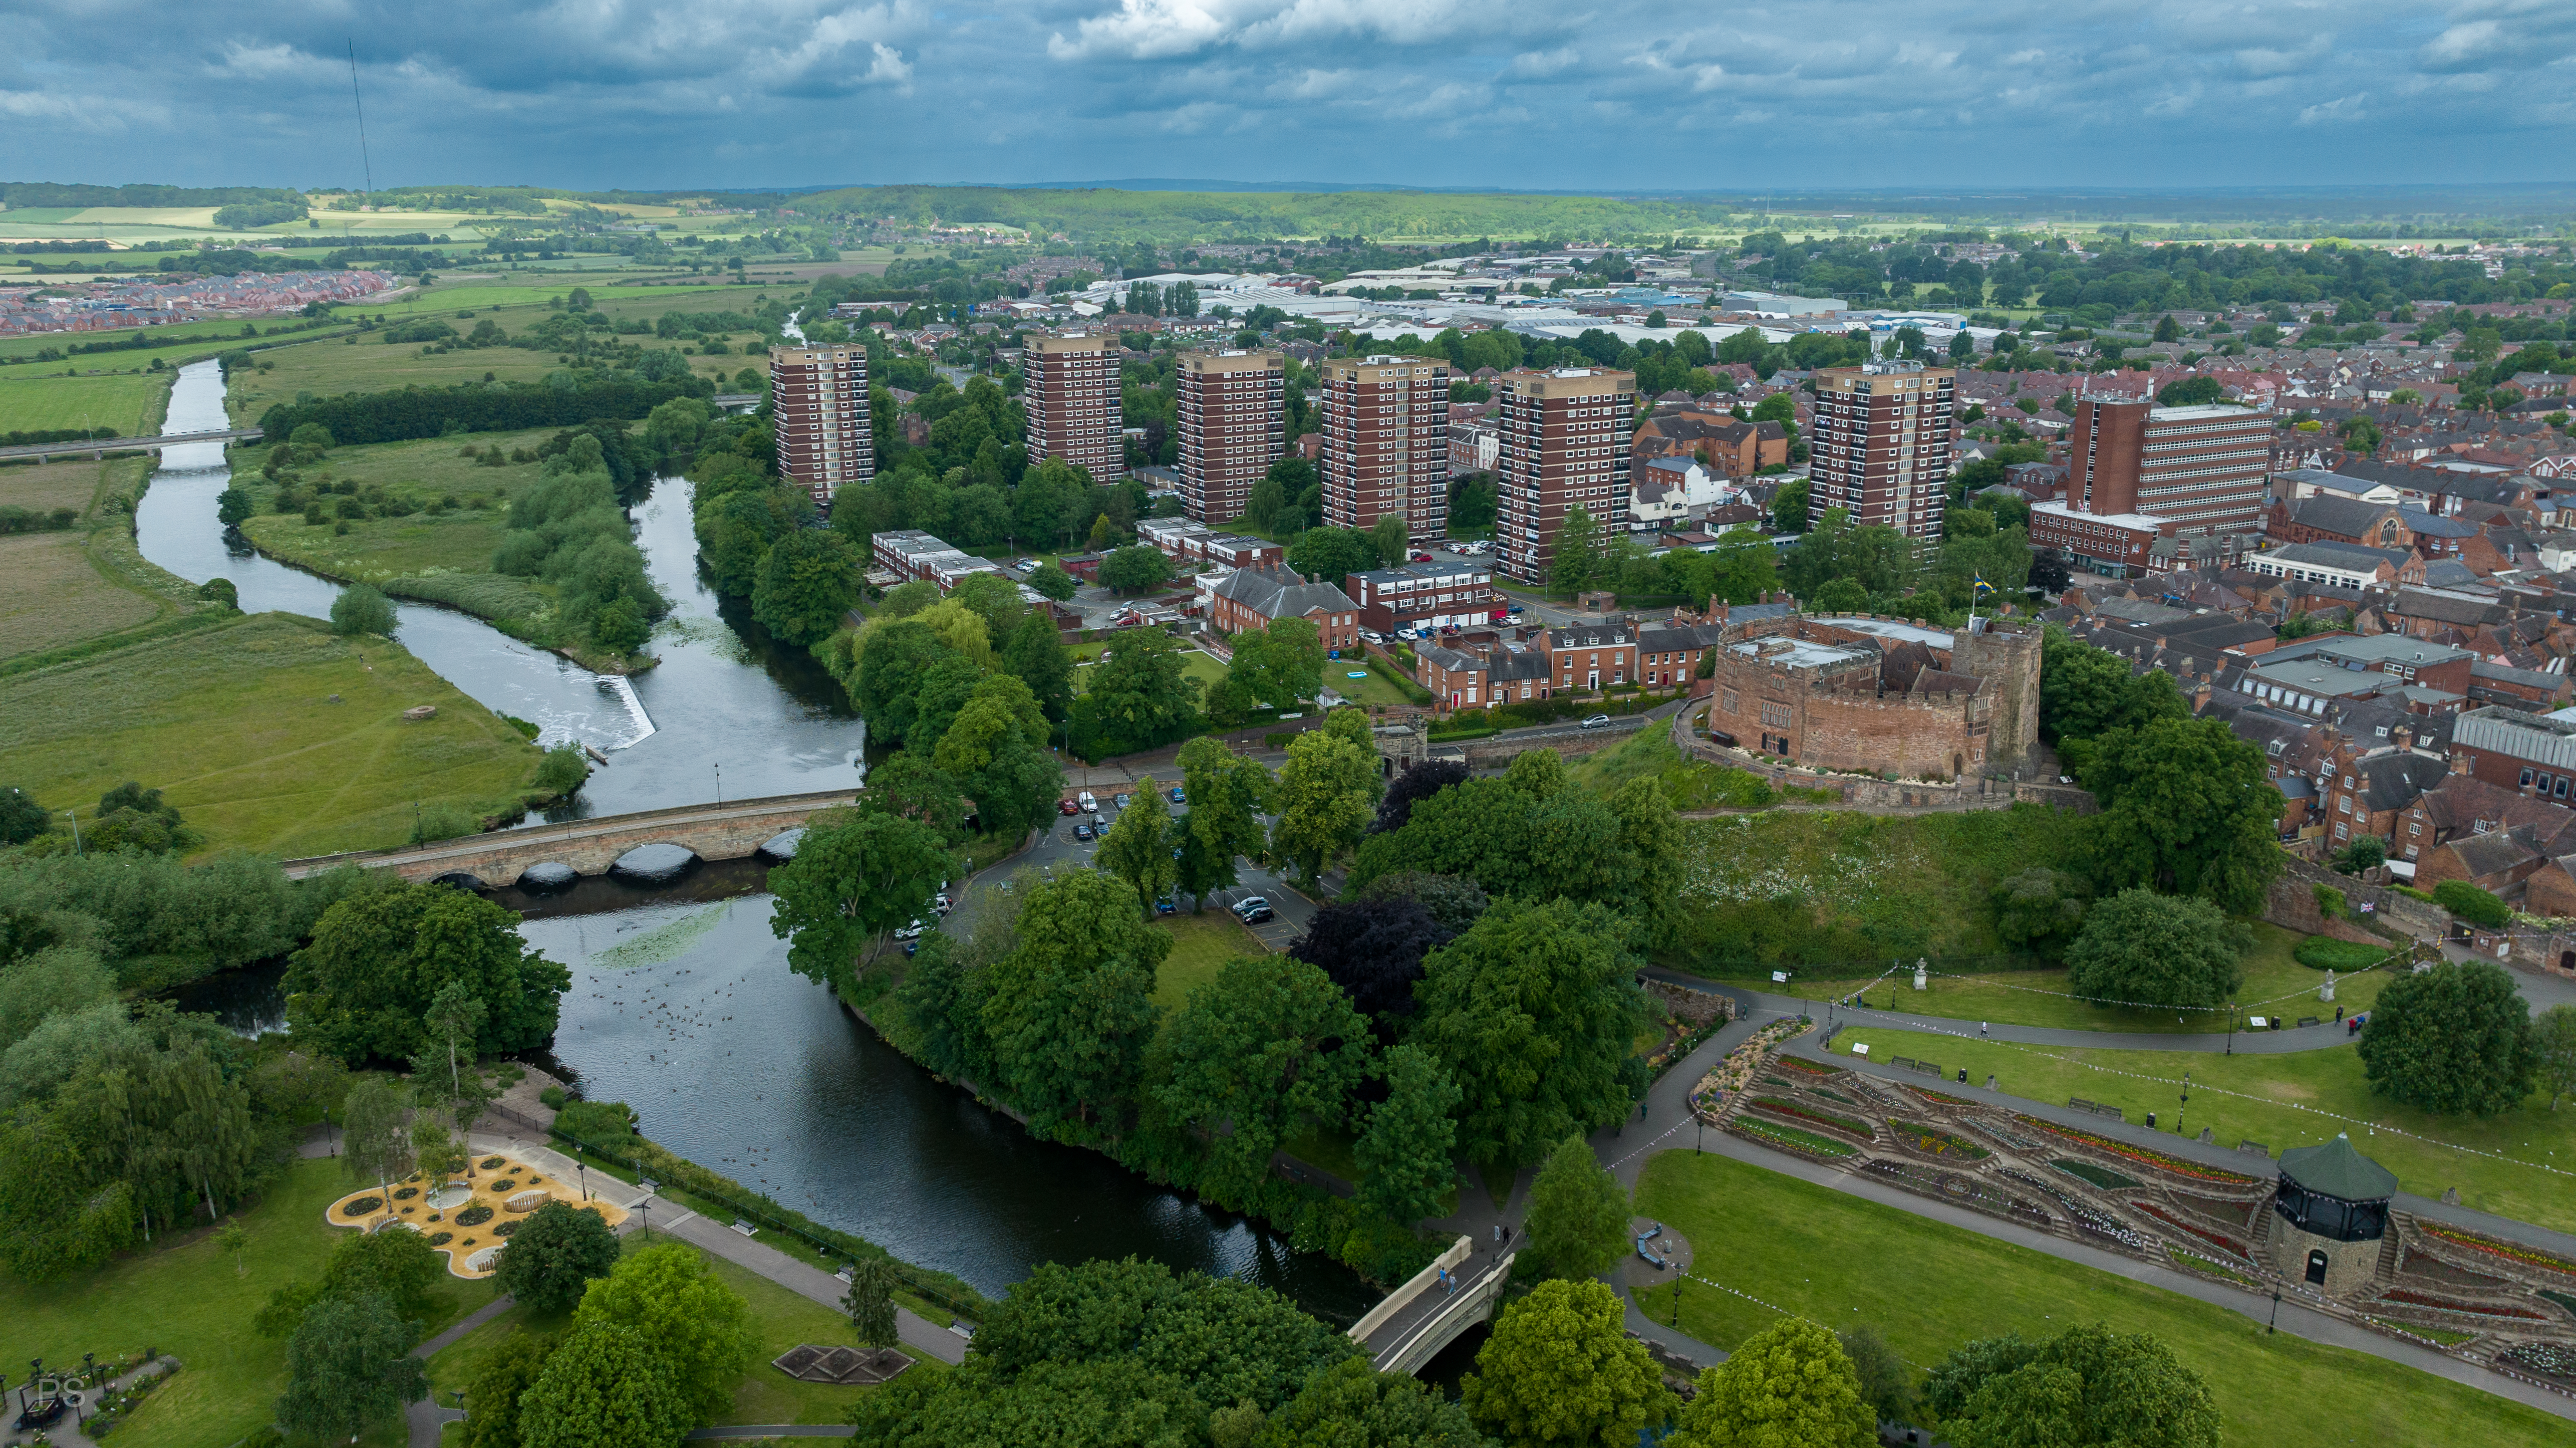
1089,805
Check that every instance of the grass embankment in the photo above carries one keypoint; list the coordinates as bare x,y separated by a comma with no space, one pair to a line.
2282,1101
183,1297
130,402
1691,784
236,722
784,1320
1929,1288
435,544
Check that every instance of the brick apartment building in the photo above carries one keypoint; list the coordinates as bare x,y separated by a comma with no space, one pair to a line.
1732,446
1882,444
1485,674
1386,443
819,409
2515,750
1233,418
1419,594
1071,394
1255,597
1563,444
918,557
1592,656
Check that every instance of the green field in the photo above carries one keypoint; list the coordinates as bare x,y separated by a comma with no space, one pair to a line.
183,1297
1201,945
66,587
422,472
2281,1102
130,402
1198,664
1928,1288
237,722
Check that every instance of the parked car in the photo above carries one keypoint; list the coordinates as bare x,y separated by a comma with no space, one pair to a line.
1421,557
1164,904
1082,831
942,904
1090,805
1066,806
1178,797
1253,910
1372,635
1597,721
1516,610
912,931
1119,800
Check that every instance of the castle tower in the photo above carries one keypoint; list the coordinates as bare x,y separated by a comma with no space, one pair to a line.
2007,658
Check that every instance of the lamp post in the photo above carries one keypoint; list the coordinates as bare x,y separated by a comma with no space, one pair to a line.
2275,1325
584,1173
2186,1103
2231,1028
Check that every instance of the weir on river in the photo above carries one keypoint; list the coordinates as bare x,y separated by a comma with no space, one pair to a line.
683,1006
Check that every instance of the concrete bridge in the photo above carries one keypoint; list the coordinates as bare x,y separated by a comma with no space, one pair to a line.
730,831
99,447
1417,1320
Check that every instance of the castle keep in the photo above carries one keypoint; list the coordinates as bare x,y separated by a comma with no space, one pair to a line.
1870,695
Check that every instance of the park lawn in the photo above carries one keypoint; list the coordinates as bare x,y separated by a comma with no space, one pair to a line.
1929,1288
423,472
1198,664
2275,983
783,1319
1369,689
130,402
2278,1101
1201,944
235,722
183,1297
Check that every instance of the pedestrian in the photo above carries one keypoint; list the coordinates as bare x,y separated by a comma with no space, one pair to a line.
1981,1030
2338,1015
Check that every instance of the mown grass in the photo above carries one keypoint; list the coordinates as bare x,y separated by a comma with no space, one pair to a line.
1201,945
1690,784
43,487
1197,664
2282,1101
236,723
130,402
183,1297
69,587
1929,1288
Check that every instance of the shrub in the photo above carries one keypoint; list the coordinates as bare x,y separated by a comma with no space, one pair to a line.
360,609
2470,903
2330,903
2319,953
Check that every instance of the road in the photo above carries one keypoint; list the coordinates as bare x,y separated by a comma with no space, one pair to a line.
1058,850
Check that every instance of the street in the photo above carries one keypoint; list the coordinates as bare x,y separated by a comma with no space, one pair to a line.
1059,850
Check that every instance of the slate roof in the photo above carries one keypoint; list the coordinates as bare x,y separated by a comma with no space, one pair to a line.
2338,1171
2330,513
1281,593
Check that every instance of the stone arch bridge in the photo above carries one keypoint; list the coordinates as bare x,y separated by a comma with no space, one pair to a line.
730,831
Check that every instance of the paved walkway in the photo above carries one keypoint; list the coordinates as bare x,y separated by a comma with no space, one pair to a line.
67,1433
426,1419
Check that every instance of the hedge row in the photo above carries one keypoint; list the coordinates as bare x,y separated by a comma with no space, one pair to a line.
417,412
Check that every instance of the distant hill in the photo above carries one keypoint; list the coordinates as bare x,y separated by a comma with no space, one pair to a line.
15,194
1167,217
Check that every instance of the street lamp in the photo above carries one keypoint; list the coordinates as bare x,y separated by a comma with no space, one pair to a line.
2275,1325
2231,1028
584,1173
2186,1103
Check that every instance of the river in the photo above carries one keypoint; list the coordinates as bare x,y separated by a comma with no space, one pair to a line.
681,1003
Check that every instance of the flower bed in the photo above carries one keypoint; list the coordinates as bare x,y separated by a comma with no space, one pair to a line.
2424,1264
361,1206
2085,1217
1738,1071
1935,1142
506,1228
1793,1110
1777,1081
490,1162
2237,1214
1788,1138
1813,1068
474,1216
107,1411
404,1194
504,1185
2194,1262
2562,1299
2100,1176
2555,1361
1954,1187
1985,1127
1834,1096
2439,1337
2510,1251
441,1239
2412,1298
2220,1240
1940,1098
2140,1154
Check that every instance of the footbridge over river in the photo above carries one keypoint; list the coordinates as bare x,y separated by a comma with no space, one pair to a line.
1457,1291
99,447
730,831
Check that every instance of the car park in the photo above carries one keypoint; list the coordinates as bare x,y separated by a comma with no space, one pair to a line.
1597,721
1119,800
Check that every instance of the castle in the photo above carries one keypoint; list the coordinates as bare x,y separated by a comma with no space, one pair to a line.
1886,696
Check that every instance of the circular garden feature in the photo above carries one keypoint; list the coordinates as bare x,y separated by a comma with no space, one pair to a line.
474,1216
360,1206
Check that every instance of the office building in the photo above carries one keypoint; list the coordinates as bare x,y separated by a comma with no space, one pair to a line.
819,409
1234,425
1386,443
1882,445
1564,444
1071,395
2202,469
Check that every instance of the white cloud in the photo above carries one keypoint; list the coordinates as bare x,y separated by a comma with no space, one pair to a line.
2342,110
1536,64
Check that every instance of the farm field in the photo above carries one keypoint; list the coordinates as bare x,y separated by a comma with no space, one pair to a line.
267,732
1929,1288
130,402
2300,1099
61,587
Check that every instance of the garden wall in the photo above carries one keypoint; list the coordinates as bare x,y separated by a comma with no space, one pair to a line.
2293,905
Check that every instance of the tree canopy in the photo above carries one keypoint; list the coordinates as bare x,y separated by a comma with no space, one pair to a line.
1788,1386
2455,1039
1560,1370
2142,948
362,987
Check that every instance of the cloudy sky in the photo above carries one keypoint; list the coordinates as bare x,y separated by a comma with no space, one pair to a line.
1562,94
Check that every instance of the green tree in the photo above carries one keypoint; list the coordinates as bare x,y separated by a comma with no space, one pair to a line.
1560,1370
1331,555
1069,1011
2472,904
606,1387
2139,947
375,1141
233,507
1886,1380
1789,507
455,1020
2040,910
1407,1154
2086,691
2088,1387
870,1301
363,987
806,586
2553,1049
1788,1386
1578,1215
1138,848
1135,569
1051,581
857,878
666,1296
1227,795
1533,1014
349,1370
1326,795
500,1381
360,609
1278,665
1269,1042
1578,563
1394,546
233,1237
1348,1406
1036,656
2455,1039
21,818
555,1254
1142,688
2187,807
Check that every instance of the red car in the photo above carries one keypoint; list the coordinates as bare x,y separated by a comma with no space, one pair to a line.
1066,806
1421,557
